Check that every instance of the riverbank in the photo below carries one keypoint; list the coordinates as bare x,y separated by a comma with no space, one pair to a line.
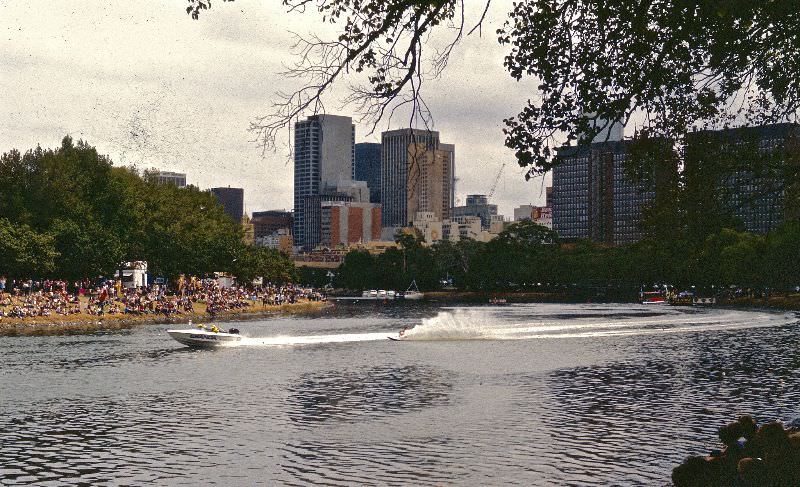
787,302
86,323
784,302
484,297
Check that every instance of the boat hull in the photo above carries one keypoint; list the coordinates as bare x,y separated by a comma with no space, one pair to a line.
205,339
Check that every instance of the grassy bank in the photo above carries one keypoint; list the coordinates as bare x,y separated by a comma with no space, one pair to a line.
85,323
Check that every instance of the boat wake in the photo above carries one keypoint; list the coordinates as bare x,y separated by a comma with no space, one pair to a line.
315,339
549,322
490,324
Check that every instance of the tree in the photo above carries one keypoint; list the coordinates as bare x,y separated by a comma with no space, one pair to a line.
675,65
357,272
96,215
253,262
24,252
527,233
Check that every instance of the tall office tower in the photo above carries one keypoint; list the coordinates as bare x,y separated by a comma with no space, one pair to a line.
324,153
742,172
450,149
593,197
232,201
368,168
429,182
396,165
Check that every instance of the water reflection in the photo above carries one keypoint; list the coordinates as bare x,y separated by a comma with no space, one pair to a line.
356,395
134,408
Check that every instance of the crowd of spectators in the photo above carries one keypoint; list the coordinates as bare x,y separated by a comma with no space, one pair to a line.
41,298
29,298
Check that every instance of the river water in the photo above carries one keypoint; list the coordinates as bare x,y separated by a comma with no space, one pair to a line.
538,394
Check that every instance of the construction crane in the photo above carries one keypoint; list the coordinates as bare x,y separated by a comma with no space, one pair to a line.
496,180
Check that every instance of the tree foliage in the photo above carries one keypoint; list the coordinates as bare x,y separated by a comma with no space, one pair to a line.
81,217
517,262
269,264
673,65
25,252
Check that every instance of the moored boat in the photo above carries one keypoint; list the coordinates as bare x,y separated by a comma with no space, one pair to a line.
652,297
413,291
684,298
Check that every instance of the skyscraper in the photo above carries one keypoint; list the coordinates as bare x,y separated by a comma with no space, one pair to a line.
429,182
232,201
368,168
409,159
324,153
742,172
594,198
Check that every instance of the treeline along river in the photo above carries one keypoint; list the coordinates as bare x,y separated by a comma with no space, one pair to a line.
537,394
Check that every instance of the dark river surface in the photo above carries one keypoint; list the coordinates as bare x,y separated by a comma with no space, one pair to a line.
538,394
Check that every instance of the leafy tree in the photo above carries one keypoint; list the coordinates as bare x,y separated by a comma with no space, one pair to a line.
86,249
357,272
24,252
312,276
681,65
527,233
782,255
252,262
99,215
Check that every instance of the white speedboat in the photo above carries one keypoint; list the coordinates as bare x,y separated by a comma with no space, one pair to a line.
206,338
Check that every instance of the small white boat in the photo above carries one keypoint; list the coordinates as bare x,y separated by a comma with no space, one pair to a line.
413,291
206,338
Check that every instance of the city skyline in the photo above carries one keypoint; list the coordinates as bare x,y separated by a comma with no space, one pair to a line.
152,88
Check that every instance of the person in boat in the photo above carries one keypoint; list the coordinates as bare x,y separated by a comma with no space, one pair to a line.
214,329
403,331
201,327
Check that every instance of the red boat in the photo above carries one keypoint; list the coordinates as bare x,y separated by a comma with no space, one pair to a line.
653,297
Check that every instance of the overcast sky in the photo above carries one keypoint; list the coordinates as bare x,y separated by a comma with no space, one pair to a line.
148,86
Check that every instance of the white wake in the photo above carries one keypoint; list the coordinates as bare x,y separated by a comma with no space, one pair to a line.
547,321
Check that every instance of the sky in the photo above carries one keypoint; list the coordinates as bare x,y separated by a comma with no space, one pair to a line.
152,88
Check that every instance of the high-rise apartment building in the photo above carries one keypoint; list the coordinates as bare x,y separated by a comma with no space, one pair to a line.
413,163
324,153
368,168
232,201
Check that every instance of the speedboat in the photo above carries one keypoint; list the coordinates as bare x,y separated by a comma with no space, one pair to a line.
202,338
